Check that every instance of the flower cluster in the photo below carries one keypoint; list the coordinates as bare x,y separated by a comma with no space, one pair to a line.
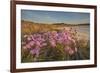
37,41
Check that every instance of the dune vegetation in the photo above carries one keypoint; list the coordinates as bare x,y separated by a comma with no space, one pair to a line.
53,42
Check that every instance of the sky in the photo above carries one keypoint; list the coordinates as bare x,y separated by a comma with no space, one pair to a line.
55,17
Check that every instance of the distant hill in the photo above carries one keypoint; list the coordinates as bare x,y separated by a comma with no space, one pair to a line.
64,24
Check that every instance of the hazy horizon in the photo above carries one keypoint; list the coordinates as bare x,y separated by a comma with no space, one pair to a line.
55,17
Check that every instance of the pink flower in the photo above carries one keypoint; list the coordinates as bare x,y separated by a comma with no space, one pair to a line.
38,43
28,38
52,43
67,49
60,40
32,37
71,52
43,40
35,51
28,46
31,43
